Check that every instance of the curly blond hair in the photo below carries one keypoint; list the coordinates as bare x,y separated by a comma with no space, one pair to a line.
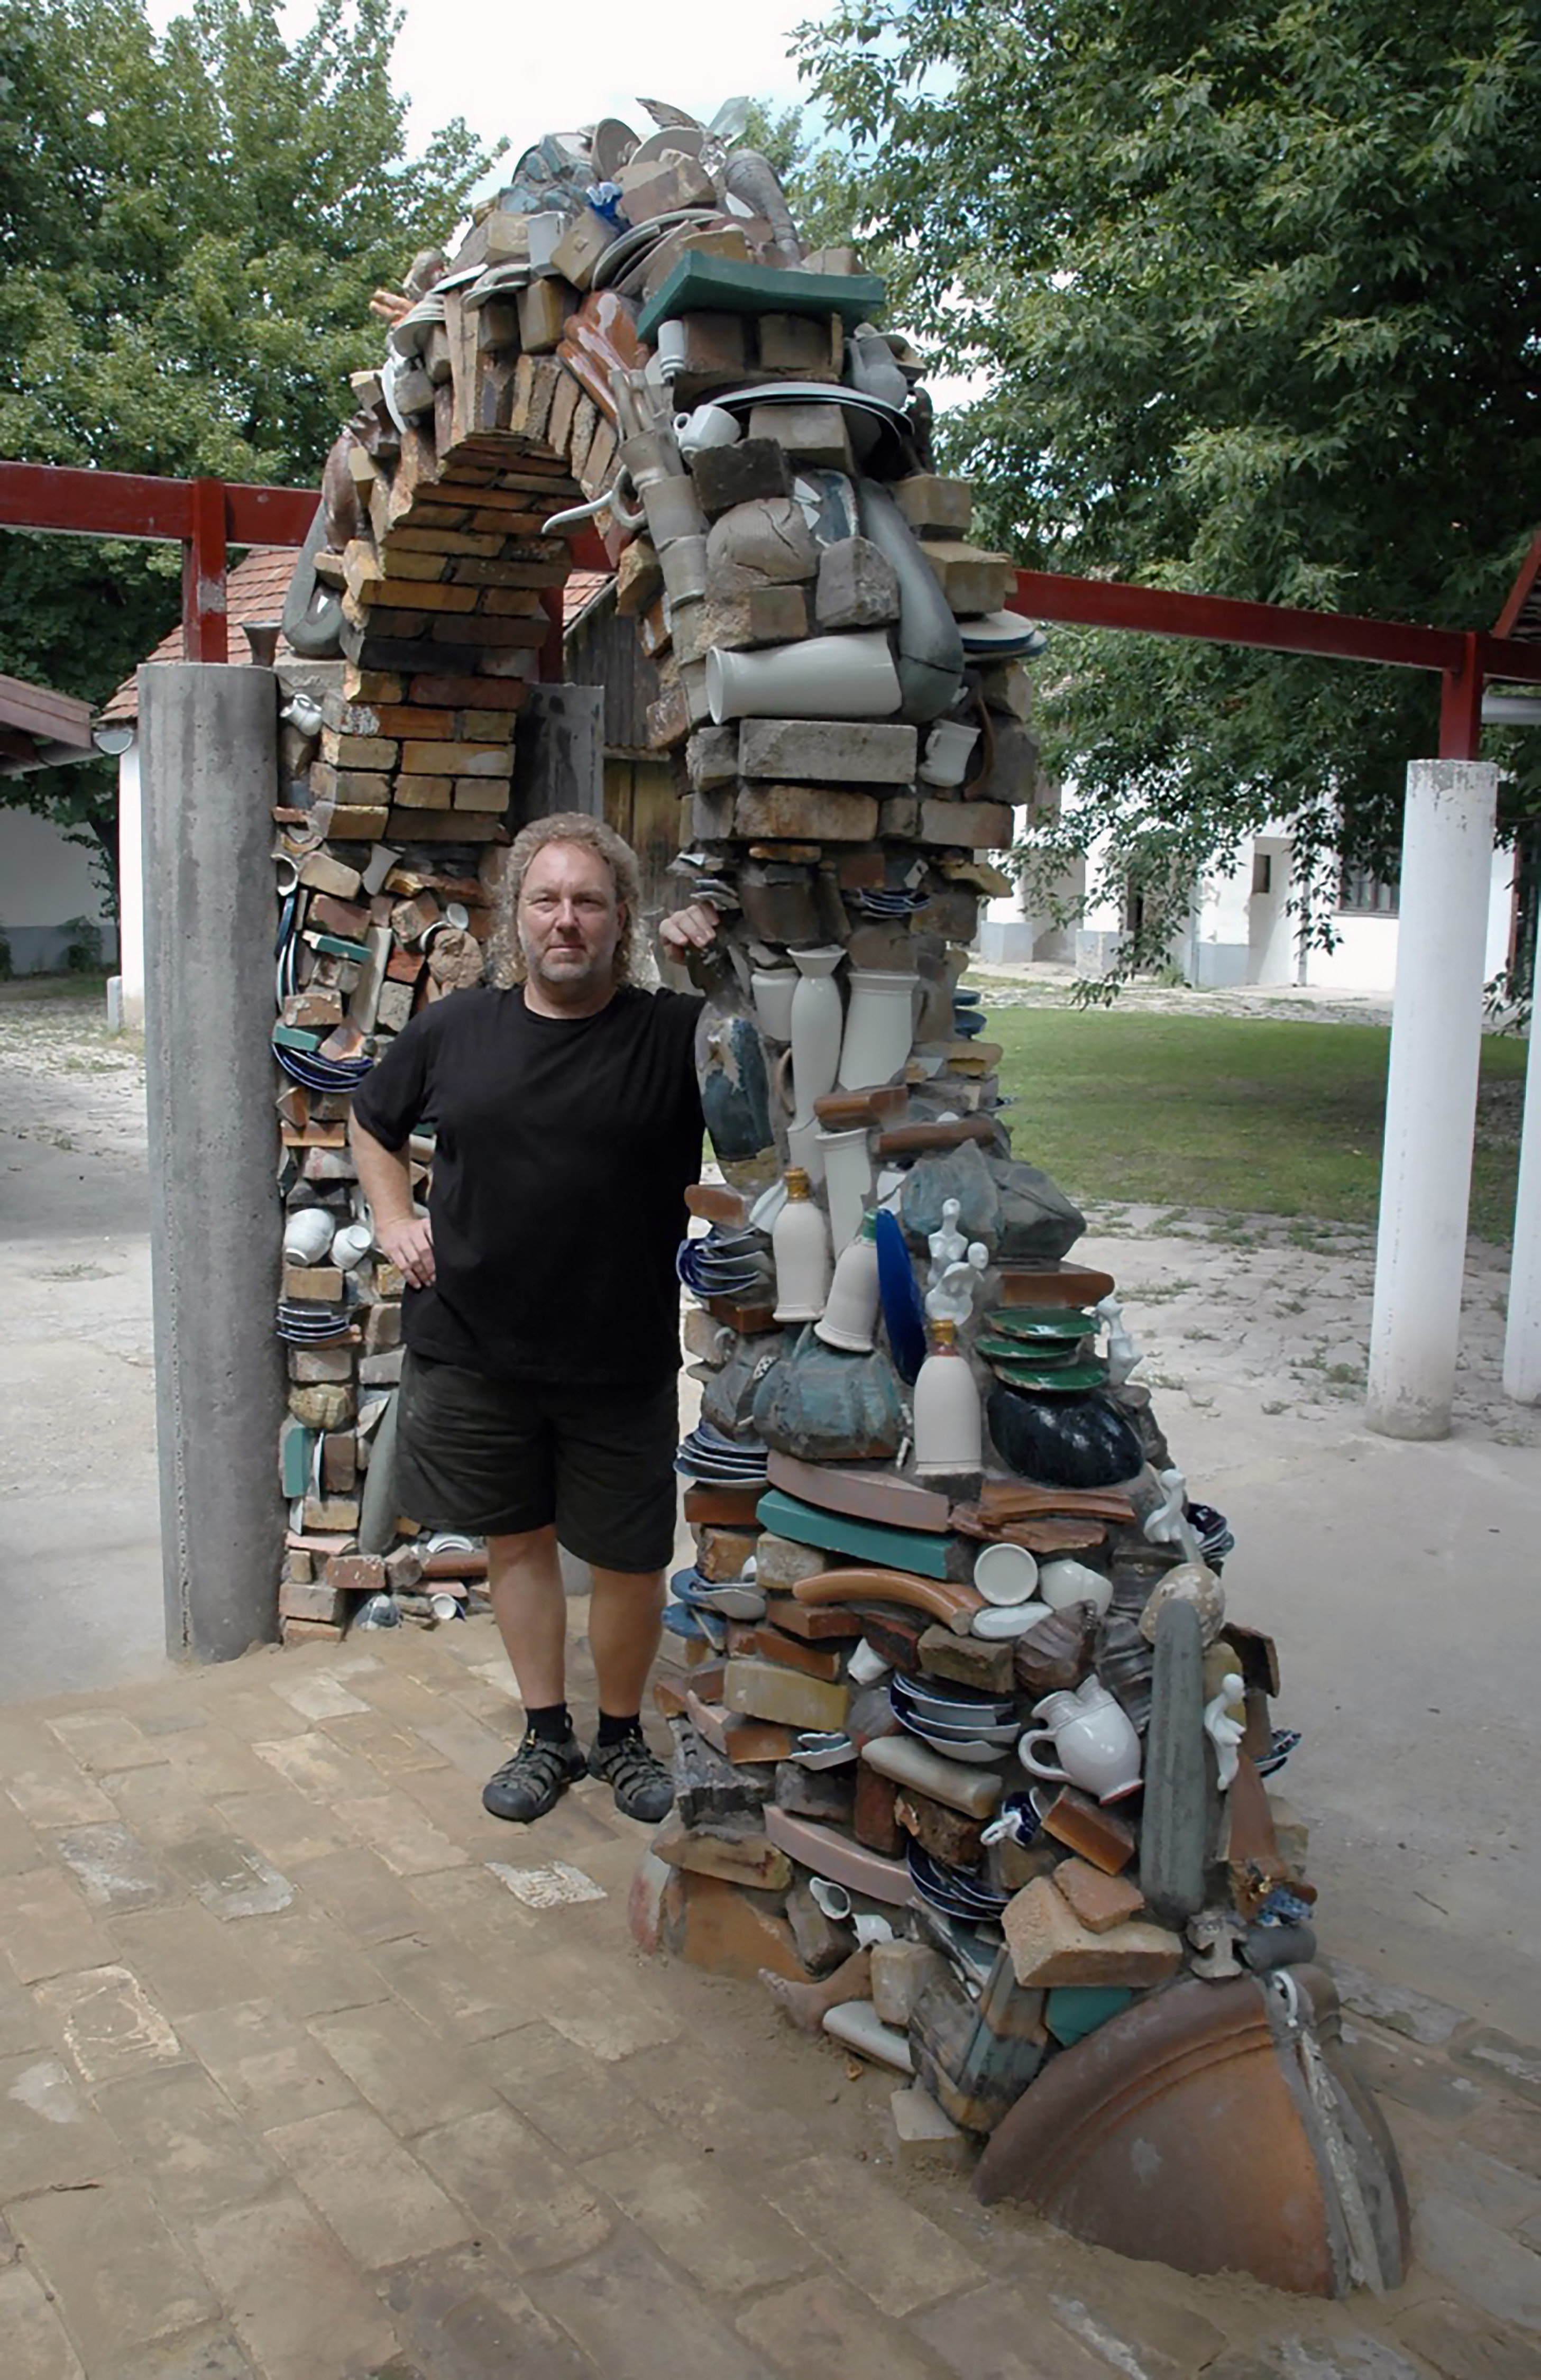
569,826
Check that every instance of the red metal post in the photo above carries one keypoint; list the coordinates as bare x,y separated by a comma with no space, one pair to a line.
1460,704
204,557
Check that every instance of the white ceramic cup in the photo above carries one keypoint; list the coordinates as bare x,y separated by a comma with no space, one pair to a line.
709,425
307,1235
947,747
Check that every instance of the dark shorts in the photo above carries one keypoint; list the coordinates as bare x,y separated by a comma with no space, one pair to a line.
502,1457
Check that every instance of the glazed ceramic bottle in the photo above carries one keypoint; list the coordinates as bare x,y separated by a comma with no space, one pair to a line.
949,1425
850,1316
800,1244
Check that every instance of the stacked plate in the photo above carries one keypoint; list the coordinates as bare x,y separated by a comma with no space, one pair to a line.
726,1264
878,903
980,1730
954,1892
318,1074
1002,636
724,1461
1042,1348
1215,1534
730,1598
307,1323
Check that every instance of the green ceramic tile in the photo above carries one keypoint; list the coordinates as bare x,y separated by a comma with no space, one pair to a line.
865,1541
718,285
1073,2011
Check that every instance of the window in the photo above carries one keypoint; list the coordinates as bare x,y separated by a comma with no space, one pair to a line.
1360,894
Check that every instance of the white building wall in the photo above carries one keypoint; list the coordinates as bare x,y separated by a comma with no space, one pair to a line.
131,888
45,883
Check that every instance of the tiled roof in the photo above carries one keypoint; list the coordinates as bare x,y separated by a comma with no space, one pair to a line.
255,591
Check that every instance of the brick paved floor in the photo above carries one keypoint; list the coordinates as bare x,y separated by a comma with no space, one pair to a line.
298,2079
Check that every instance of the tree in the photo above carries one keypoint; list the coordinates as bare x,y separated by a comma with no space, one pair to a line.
190,227
1253,286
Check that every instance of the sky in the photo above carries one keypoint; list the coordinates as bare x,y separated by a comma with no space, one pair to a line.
549,65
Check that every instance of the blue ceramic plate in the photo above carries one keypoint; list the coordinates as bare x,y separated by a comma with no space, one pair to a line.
903,1314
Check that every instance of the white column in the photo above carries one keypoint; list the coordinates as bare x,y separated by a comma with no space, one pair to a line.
1521,1345
1431,1096
131,888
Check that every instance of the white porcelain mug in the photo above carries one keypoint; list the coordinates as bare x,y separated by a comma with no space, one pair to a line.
1094,1737
307,1235
709,425
948,748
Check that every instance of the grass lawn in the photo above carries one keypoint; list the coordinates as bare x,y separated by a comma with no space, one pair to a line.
1249,1115
25,991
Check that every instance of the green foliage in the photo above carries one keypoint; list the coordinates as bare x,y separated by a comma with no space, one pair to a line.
83,950
190,228
1253,285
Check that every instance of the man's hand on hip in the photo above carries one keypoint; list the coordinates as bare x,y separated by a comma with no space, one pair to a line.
409,1247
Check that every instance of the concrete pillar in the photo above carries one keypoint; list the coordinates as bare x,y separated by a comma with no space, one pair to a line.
208,738
1521,1345
130,890
1431,1091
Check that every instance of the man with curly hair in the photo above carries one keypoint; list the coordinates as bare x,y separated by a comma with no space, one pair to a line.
538,1401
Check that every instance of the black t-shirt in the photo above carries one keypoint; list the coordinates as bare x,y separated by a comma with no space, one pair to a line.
564,1148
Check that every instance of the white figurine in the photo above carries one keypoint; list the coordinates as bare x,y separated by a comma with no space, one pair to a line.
1169,1524
1214,1935
957,1267
1123,1357
1223,1732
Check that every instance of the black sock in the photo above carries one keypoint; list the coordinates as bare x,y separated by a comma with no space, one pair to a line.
615,1731
553,1722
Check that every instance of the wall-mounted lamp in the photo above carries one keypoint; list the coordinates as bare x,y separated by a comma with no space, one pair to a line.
113,736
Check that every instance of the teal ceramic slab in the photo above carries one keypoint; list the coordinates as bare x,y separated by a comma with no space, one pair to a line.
338,946
1043,1379
295,1037
719,284
836,1533
1042,1323
296,1449
1072,2010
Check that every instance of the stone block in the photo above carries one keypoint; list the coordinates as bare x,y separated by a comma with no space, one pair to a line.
826,1796
311,1366
966,1660
323,1283
762,1690
708,1788
827,752
922,2133
753,471
775,1645
857,587
821,1944
804,814
309,1631
661,186
722,1553
1012,775
874,1822
934,506
1100,1900
764,544
901,1971
326,1407
748,1859
815,436
1098,1835
899,817
912,1764
972,581
331,1514
726,1932
967,826
321,1601
801,346
756,616
1050,1945
544,306
645,1902
356,1573
946,1834
381,1371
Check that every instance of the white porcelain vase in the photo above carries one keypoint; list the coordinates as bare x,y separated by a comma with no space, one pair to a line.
820,677
773,990
847,1184
817,1023
879,1026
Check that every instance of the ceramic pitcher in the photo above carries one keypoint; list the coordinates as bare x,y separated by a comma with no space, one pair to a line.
1094,1738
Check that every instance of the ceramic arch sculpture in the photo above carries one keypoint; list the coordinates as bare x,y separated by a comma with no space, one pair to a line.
633,336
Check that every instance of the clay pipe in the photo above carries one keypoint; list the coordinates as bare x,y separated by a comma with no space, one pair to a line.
954,1605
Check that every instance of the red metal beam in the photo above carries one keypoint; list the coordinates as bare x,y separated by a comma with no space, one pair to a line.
127,503
1460,705
204,561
